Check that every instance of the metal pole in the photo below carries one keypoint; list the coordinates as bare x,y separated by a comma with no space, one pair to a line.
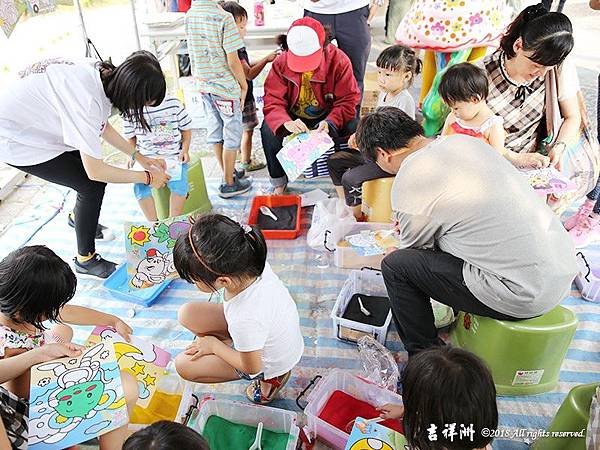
82,23
135,25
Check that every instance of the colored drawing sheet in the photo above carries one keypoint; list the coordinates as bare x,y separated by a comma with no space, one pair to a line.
300,151
145,361
549,181
371,435
149,249
73,400
10,13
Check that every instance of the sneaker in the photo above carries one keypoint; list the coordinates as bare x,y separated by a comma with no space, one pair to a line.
586,231
102,233
584,211
231,190
252,165
97,267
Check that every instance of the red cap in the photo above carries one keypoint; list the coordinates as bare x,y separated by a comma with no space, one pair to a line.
305,41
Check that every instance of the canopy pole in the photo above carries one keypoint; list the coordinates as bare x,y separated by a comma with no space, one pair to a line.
135,25
82,23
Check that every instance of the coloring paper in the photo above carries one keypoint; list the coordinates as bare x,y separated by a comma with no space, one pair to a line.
301,150
549,181
371,435
145,361
10,13
73,400
149,249
173,168
35,7
369,243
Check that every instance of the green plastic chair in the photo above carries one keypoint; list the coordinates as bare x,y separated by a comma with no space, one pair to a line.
573,415
524,356
197,200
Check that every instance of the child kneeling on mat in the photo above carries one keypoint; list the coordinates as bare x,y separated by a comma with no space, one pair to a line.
169,138
254,334
449,401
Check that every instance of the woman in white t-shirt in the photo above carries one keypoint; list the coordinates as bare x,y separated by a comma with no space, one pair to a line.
255,333
51,121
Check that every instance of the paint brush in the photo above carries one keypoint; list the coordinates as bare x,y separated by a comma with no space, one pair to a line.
363,310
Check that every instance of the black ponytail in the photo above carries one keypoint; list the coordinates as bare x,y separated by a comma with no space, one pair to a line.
548,35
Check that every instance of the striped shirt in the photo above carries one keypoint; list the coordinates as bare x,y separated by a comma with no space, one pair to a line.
166,122
212,34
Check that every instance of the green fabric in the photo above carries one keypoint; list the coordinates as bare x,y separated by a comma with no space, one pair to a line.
222,434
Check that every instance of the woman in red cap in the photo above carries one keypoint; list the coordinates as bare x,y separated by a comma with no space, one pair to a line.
310,85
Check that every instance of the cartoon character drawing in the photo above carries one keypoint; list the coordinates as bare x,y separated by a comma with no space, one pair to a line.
82,391
371,444
153,269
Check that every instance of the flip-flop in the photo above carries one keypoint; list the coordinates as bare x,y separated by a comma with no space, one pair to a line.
255,395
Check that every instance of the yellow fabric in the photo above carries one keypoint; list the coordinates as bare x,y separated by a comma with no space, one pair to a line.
307,107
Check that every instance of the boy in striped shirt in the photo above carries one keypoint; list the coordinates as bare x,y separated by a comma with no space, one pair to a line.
213,43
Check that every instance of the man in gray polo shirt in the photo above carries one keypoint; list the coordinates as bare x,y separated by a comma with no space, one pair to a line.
473,233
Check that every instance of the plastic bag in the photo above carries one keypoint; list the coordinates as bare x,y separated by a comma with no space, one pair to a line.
331,221
378,363
593,430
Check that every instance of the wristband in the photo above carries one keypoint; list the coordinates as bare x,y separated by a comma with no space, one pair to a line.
148,178
133,155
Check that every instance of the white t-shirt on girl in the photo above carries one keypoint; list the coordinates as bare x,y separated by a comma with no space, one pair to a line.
402,100
55,106
264,317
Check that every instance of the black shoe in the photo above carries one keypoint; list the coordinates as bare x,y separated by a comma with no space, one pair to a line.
97,267
102,233
239,173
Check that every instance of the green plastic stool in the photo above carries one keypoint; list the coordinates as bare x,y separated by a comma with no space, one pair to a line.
197,200
573,415
524,356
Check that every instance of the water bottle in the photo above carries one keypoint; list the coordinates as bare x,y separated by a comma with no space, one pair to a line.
259,13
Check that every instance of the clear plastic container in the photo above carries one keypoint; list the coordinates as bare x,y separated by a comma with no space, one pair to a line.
273,419
366,282
346,257
588,278
339,380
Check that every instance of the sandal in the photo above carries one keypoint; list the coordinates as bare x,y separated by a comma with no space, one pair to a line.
252,165
255,395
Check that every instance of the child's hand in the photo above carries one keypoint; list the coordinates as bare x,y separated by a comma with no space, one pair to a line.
323,127
149,163
274,54
391,411
352,141
184,157
122,328
296,126
200,347
50,352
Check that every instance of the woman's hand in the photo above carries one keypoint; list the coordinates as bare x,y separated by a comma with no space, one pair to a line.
556,153
391,411
274,54
530,160
158,177
147,163
201,346
296,126
184,157
50,352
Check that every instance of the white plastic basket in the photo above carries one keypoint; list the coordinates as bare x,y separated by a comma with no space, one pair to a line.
368,282
588,278
339,380
273,419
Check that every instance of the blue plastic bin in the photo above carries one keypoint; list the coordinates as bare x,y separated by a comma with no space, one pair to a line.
118,286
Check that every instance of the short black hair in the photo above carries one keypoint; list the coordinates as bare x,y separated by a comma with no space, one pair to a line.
548,35
166,435
137,82
35,283
400,59
387,128
221,247
235,9
463,82
445,385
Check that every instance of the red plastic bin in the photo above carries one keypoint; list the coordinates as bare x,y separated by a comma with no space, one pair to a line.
273,201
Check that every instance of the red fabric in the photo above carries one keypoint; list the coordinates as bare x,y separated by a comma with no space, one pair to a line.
183,5
333,84
342,409
461,130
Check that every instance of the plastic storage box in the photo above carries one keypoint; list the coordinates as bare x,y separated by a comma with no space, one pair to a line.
273,201
273,419
346,257
118,286
338,380
588,278
368,282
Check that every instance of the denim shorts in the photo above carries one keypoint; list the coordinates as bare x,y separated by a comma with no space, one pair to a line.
177,187
223,121
244,376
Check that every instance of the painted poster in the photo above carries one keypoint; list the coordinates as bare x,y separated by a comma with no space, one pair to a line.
549,181
301,150
149,249
372,435
36,7
73,400
10,13
145,361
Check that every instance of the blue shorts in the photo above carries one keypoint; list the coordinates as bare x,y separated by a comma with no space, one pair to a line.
223,121
179,187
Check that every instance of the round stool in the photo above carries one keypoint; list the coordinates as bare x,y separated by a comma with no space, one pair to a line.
376,200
